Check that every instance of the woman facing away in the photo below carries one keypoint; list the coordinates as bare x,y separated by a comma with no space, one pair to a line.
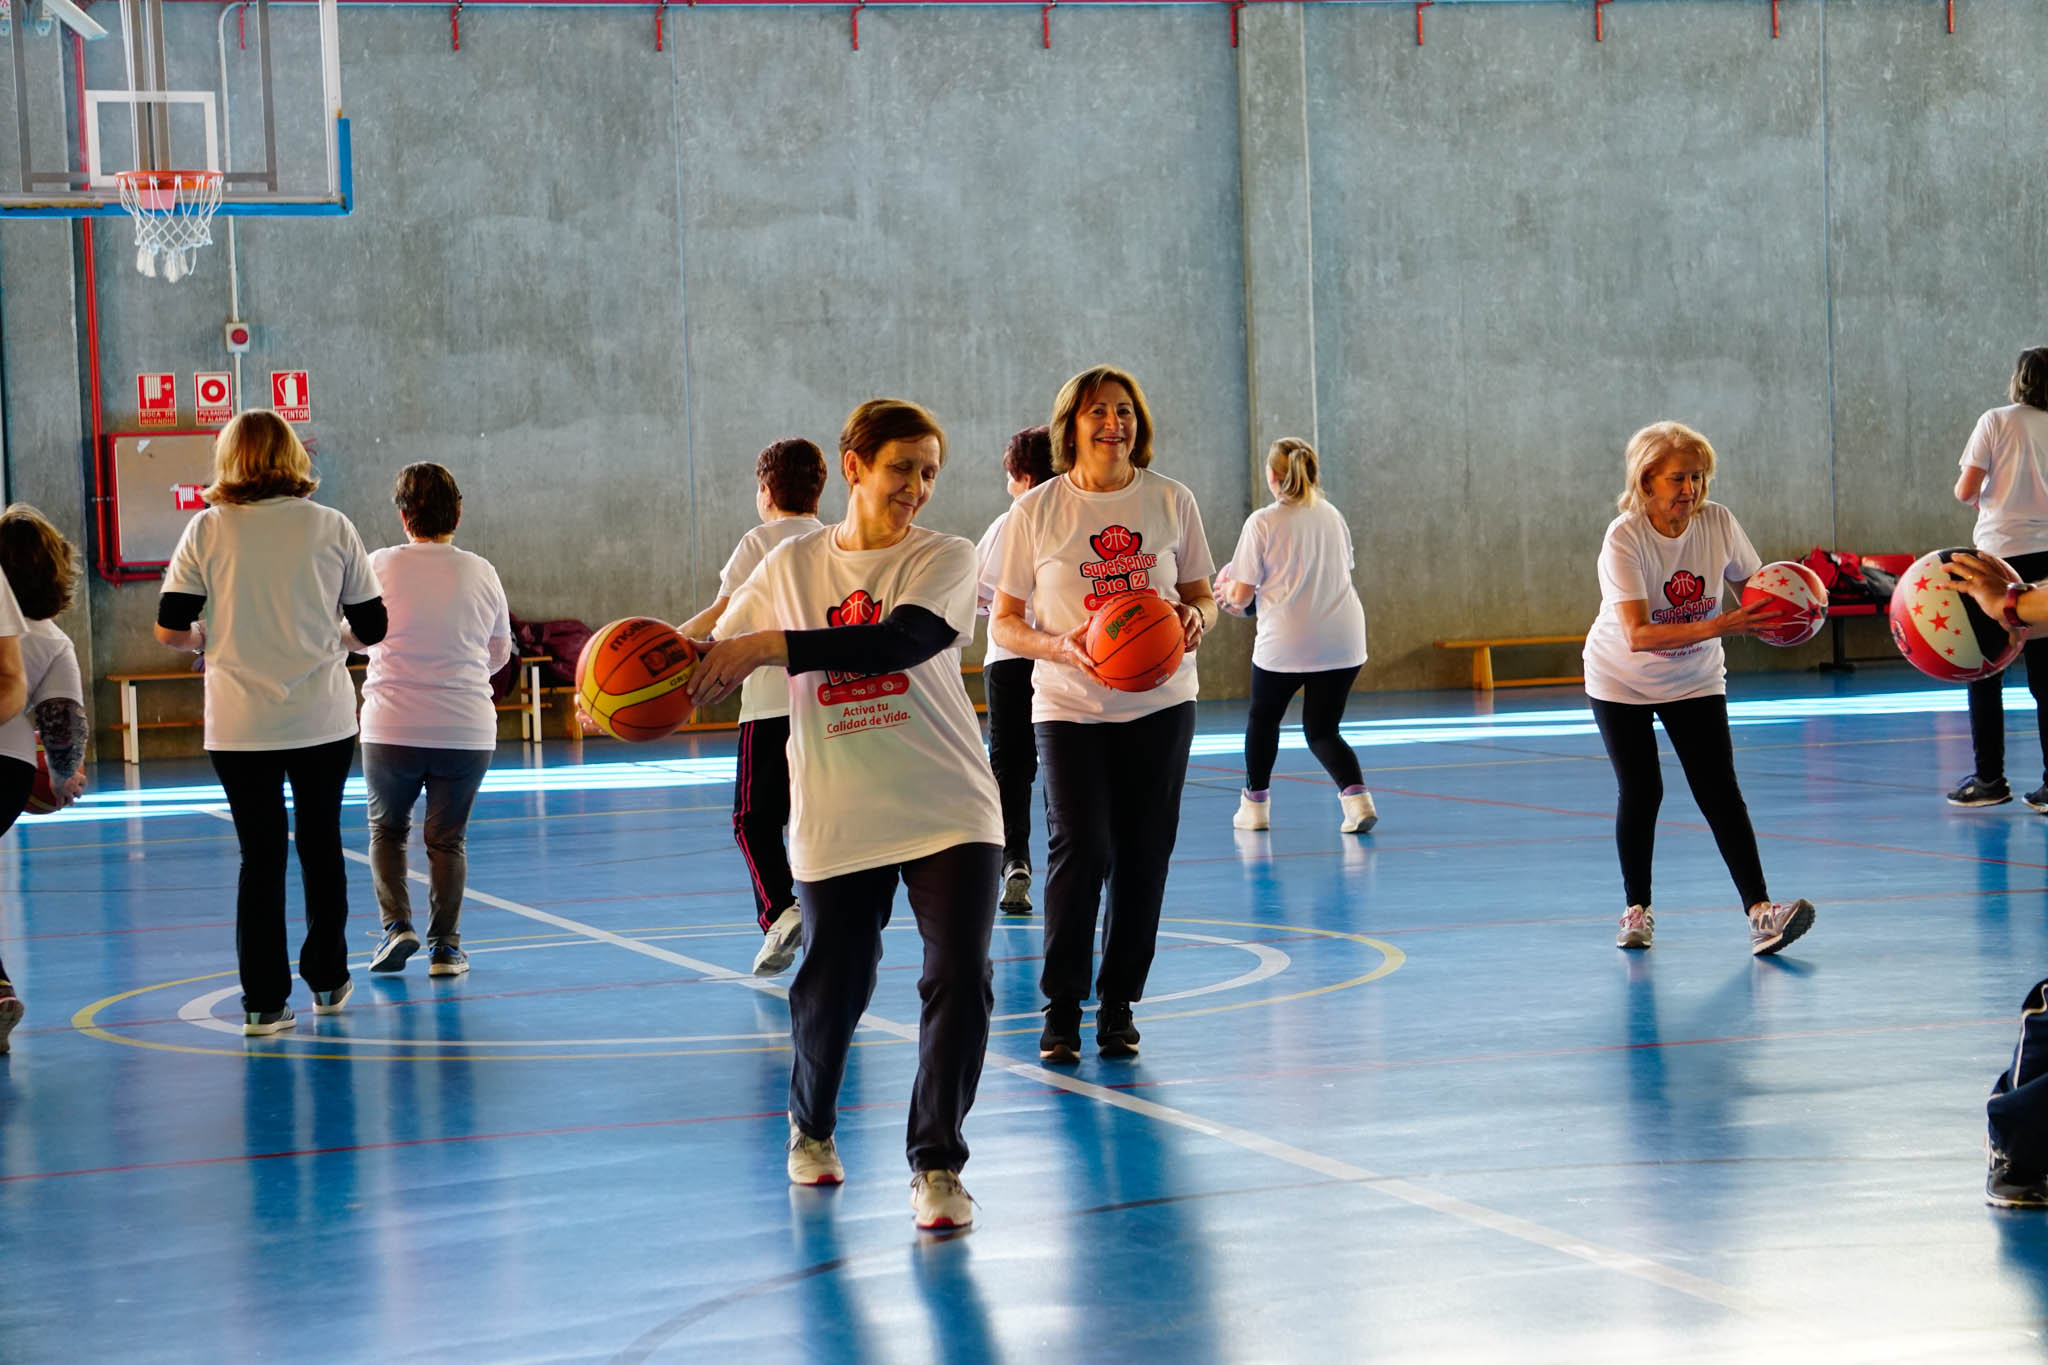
1294,560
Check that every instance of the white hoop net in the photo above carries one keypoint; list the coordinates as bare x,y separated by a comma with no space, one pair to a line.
173,213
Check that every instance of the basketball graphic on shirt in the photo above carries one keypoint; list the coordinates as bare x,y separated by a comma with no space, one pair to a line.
1943,633
858,608
1796,598
1685,586
631,678
1120,565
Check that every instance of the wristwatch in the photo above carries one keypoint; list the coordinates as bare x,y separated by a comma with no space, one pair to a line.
2013,592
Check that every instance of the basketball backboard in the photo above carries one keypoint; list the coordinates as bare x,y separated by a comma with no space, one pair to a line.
174,88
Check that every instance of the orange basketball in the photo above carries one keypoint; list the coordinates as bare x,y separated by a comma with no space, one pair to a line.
631,678
1136,641
42,797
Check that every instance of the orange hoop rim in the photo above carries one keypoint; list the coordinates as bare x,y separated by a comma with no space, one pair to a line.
172,181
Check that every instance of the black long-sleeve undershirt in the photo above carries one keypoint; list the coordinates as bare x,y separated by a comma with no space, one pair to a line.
905,638
367,621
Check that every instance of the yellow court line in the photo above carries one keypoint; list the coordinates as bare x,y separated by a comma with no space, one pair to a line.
1392,959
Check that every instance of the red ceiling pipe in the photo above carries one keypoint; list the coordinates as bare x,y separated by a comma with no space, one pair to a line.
660,7
455,27
1045,23
1420,6
856,23
1235,6
1599,25
1774,18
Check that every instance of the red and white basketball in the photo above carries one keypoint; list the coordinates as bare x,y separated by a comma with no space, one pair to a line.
1942,632
1796,599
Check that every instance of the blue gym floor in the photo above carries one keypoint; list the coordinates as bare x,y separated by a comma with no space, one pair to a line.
1400,1098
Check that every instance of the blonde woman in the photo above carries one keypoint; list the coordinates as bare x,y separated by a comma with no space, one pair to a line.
1294,561
261,581
1654,654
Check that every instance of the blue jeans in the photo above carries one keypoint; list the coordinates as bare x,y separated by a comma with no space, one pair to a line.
394,775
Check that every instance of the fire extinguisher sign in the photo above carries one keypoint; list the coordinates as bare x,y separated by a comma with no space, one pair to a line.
289,395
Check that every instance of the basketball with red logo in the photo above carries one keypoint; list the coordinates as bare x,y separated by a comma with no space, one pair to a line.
632,676
1942,632
42,797
1136,641
1796,601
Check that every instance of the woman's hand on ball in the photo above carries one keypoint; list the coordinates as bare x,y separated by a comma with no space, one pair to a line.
1192,625
726,664
1984,578
1751,619
1074,650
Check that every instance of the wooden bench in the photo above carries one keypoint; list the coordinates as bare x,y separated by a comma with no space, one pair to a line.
1482,659
527,699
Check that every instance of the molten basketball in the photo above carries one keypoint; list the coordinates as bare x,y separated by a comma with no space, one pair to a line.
1136,641
1796,599
1943,633
42,797
631,678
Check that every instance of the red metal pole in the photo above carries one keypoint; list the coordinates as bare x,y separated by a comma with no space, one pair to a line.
1599,25
1045,23
455,27
1420,6
1774,18
660,7
856,23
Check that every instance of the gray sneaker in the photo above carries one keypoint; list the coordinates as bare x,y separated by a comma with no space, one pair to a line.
1774,924
2006,1188
778,948
1016,890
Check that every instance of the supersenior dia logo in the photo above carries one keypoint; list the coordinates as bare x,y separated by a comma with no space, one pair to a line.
1119,566
858,609
1687,593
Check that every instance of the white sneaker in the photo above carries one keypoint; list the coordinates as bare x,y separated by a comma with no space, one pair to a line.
940,1201
778,947
1359,814
1774,924
1636,927
813,1161
1251,814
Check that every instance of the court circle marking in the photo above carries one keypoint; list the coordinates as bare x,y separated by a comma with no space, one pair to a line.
1270,962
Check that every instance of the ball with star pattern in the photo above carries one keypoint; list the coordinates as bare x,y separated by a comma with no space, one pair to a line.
1941,631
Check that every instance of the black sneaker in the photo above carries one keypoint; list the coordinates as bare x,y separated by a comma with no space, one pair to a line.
2006,1188
1115,1034
1061,1041
1977,791
2037,799
1016,890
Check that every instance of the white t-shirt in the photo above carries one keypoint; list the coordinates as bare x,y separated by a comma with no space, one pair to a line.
429,680
1298,555
886,767
1680,580
765,693
275,575
1066,552
986,554
2010,445
50,665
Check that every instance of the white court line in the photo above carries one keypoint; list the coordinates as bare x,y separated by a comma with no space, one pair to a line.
1407,1191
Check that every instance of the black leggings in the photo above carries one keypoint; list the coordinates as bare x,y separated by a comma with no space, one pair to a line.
1699,733
1322,711
254,780
953,896
1112,813
1012,755
1987,695
16,778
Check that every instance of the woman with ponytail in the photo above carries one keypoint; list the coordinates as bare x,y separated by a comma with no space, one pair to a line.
1294,562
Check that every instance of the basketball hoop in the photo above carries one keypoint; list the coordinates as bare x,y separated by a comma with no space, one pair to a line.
173,212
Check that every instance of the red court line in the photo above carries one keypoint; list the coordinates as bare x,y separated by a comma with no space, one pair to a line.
106,933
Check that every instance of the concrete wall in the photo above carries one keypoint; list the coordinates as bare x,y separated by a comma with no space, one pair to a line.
595,279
